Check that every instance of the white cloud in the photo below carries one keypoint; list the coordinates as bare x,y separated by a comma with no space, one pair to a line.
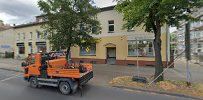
7,17
104,3
172,29
24,11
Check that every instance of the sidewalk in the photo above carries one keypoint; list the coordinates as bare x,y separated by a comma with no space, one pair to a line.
180,70
11,64
104,73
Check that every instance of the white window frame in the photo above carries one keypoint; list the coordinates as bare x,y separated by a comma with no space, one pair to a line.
109,24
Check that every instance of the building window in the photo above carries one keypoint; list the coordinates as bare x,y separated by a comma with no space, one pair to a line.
31,35
21,50
94,29
111,26
18,37
41,46
30,47
45,34
88,51
38,34
23,36
142,48
199,45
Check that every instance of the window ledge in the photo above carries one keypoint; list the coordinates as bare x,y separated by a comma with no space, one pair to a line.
111,32
130,30
87,55
142,56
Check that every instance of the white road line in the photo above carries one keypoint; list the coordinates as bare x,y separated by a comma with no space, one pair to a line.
13,76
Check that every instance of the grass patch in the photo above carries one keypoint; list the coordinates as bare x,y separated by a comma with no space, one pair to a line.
180,87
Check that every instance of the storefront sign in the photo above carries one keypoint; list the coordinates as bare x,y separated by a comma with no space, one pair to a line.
5,46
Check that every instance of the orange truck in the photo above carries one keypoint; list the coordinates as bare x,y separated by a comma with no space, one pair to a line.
44,71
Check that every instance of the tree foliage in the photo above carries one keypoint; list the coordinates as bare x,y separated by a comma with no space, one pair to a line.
70,22
171,12
152,15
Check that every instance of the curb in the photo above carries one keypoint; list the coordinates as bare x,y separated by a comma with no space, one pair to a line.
12,70
159,92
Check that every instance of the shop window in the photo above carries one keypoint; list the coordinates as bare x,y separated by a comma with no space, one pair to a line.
21,50
111,26
142,48
41,48
89,50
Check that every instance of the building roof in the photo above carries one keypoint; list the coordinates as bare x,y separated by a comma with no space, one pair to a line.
28,24
5,27
101,9
107,8
42,15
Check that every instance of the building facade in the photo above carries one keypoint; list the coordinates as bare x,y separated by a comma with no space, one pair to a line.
118,46
115,45
7,40
196,35
30,38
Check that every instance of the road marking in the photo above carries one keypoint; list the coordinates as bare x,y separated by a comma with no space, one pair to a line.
13,76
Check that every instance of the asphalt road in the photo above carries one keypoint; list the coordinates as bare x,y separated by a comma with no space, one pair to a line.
13,87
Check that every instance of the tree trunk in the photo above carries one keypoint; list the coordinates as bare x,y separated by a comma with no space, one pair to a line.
158,57
68,55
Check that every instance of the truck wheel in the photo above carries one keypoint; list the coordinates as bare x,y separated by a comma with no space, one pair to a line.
64,87
33,82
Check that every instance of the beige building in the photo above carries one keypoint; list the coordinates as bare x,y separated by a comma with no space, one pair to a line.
115,46
7,40
30,38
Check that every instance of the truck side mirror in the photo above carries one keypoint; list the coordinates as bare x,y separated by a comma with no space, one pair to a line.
23,64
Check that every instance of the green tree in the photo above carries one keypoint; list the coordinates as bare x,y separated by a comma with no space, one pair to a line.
173,39
152,15
70,23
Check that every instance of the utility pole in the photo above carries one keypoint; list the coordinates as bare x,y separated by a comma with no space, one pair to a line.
138,70
187,52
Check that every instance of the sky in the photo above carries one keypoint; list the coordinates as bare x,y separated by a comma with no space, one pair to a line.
24,11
